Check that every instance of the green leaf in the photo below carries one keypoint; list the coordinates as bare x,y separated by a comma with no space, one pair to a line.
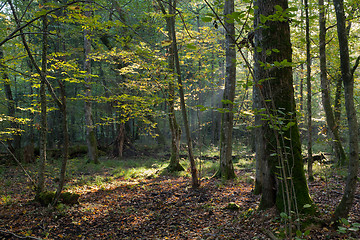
307,206
191,46
345,221
166,43
279,8
263,19
292,9
290,124
307,233
206,19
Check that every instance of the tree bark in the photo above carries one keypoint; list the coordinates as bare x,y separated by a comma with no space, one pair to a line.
193,169
90,128
15,143
308,83
283,178
43,107
175,129
343,209
226,170
330,119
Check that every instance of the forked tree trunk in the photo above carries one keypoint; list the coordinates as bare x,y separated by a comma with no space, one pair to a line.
330,119
343,209
283,179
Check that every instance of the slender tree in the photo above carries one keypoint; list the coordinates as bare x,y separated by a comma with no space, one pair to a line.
175,129
325,91
193,169
309,92
90,128
226,170
347,200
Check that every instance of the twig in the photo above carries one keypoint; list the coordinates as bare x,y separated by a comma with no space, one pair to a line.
18,236
270,234
18,162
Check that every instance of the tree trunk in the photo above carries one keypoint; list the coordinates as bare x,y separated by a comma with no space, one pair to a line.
175,129
226,170
193,169
15,144
343,209
283,179
119,141
43,107
90,128
330,119
308,83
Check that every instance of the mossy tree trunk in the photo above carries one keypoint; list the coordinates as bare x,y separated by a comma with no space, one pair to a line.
343,209
283,180
330,119
226,168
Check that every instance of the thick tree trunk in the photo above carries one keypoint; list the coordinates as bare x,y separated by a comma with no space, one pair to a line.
283,178
90,128
347,200
226,170
330,119
308,83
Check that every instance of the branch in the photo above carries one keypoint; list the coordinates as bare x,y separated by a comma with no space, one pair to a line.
355,66
38,70
18,162
18,236
20,28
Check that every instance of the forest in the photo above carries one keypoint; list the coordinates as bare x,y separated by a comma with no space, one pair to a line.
179,119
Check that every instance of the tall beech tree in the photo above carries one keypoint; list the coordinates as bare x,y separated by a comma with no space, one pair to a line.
175,129
90,128
309,91
325,89
283,182
226,170
347,200
194,172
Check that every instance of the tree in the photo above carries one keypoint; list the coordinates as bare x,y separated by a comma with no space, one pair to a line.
283,181
175,129
226,170
194,173
90,128
333,125
309,93
347,200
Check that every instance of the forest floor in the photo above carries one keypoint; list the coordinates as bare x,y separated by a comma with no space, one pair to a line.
128,204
